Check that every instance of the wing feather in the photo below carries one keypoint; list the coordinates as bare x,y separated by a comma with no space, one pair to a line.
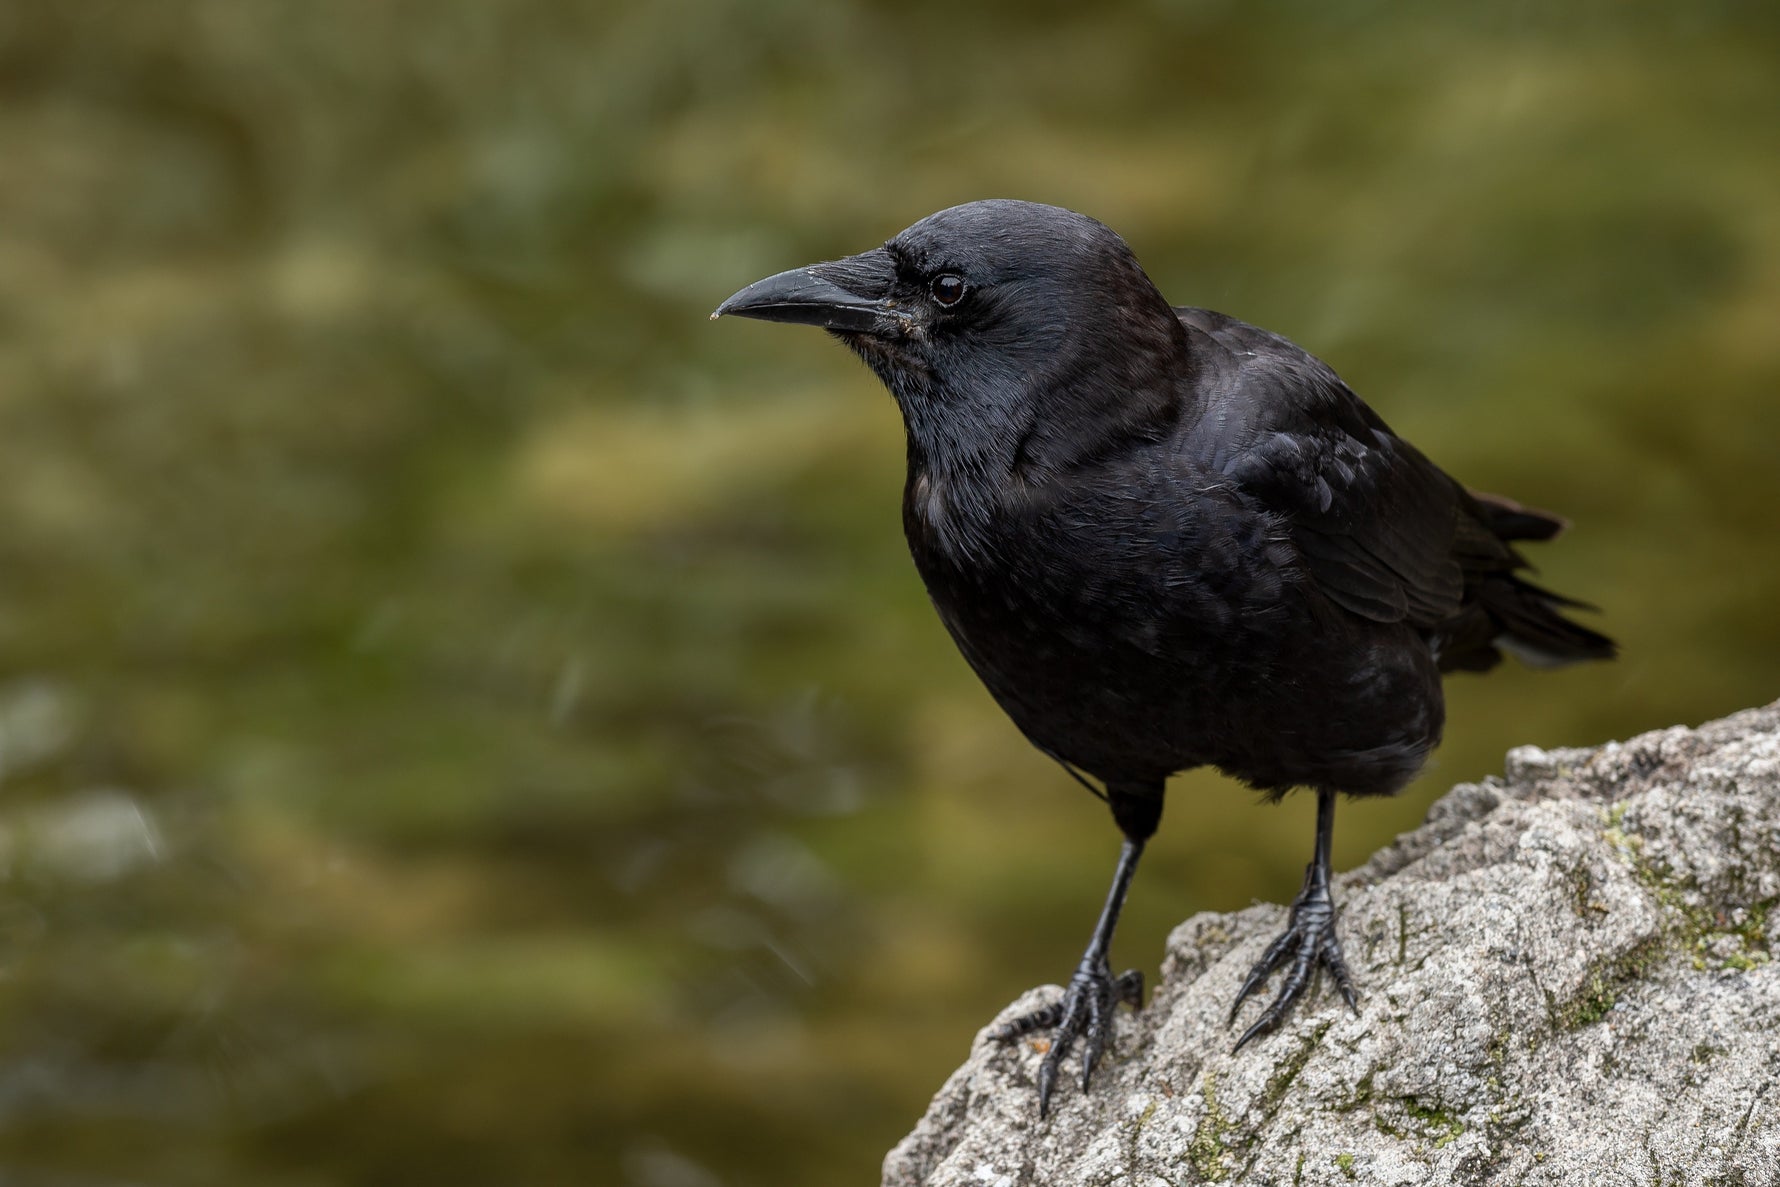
1382,530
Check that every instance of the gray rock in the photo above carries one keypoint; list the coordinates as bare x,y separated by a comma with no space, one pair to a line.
1564,976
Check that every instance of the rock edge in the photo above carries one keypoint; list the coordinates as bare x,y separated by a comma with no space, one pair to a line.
1565,977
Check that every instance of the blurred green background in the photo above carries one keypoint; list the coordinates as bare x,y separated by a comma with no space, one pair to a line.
467,719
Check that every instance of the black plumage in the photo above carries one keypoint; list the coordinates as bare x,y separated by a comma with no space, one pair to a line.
1167,539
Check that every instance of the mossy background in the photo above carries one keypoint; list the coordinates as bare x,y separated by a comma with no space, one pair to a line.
467,719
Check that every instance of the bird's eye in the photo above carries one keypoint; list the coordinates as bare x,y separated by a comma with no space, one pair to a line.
947,288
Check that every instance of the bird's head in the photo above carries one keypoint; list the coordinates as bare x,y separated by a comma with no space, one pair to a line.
997,325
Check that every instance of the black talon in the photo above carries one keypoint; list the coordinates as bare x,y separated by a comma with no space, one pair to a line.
1127,987
1086,1008
1085,1012
1025,1024
1094,1039
1257,976
1309,941
1337,966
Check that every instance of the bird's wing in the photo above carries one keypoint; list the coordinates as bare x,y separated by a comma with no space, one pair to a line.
1383,531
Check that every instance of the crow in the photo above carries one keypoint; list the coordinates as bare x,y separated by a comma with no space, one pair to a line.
1165,539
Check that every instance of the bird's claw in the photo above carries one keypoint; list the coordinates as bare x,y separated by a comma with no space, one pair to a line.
1309,942
1084,1010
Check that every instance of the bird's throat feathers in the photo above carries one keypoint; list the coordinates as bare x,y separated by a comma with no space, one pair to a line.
986,444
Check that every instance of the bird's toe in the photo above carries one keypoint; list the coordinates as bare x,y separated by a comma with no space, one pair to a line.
1308,943
1083,1012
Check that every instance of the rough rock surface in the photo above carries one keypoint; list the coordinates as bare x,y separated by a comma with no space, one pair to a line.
1564,976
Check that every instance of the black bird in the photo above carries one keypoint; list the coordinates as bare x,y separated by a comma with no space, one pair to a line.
1167,539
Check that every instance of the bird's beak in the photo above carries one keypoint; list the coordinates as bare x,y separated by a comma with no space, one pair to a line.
851,294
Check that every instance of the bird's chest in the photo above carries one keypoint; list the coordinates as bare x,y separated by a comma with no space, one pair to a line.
1101,596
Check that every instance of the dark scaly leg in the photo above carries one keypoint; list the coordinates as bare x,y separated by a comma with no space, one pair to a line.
1308,941
1087,1005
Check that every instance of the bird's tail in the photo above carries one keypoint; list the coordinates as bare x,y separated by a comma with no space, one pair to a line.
1533,628
1511,521
1519,617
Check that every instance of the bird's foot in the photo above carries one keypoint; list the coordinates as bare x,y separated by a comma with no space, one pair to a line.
1084,1010
1308,942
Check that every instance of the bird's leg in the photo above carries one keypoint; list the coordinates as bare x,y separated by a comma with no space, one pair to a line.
1087,1005
1308,941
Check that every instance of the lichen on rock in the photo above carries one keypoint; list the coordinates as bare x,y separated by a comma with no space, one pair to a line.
1567,979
